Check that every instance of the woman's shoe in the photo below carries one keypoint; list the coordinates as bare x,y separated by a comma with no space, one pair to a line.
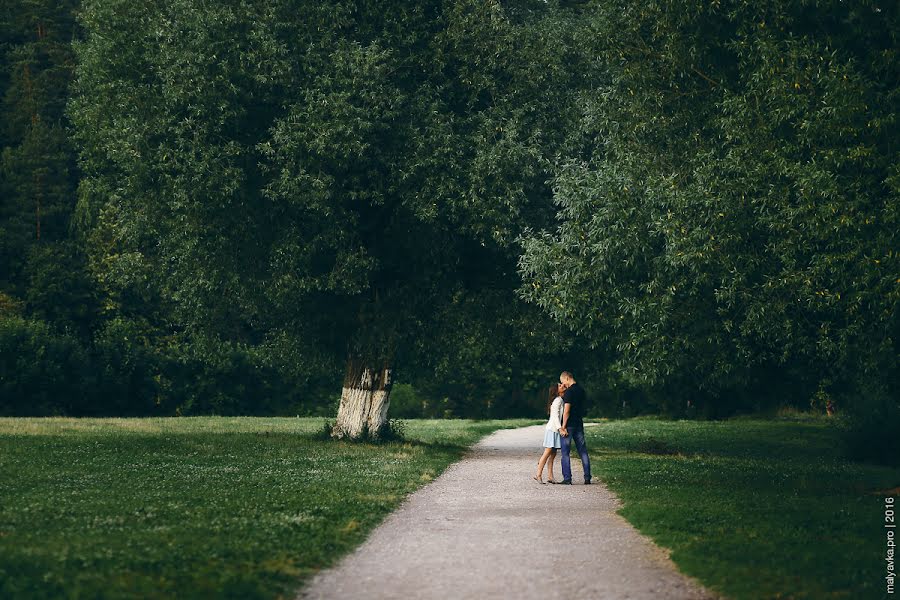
535,477
551,481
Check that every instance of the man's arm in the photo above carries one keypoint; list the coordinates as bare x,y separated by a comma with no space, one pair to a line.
562,430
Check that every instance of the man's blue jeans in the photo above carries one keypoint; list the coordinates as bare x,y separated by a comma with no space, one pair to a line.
576,435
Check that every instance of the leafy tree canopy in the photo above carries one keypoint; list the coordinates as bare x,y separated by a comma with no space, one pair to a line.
732,210
338,173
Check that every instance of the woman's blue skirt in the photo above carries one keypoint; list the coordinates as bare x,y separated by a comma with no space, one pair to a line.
552,439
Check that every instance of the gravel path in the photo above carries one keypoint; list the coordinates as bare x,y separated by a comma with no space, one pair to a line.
486,529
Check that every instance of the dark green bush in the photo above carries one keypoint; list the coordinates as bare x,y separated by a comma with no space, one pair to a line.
406,403
41,372
870,430
212,377
127,372
130,371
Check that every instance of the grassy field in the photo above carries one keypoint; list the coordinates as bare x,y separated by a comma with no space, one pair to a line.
223,507
752,508
251,507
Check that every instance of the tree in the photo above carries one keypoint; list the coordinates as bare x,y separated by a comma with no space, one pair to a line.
37,163
337,174
731,217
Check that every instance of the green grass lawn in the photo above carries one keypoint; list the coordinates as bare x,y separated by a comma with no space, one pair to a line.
251,507
752,508
222,507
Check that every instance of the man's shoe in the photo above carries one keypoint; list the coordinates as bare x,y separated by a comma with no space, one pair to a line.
587,482
565,482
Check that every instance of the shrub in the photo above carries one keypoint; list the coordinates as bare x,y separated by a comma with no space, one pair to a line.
41,372
870,430
127,371
406,403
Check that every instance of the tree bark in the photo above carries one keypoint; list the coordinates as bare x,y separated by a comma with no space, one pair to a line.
364,400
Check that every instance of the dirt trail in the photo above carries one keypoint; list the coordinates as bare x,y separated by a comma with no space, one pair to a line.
485,529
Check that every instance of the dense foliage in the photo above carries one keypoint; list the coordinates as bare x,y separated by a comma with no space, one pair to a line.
730,222
280,184
266,188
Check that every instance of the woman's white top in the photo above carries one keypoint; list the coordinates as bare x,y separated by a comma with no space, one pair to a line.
556,412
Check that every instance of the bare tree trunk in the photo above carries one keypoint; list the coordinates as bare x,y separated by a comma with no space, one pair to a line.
364,400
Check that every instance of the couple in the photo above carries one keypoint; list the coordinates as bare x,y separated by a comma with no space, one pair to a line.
567,404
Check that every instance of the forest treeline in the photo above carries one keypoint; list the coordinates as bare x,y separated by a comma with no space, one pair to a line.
693,205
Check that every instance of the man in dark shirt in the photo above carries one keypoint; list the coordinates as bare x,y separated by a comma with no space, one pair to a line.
574,400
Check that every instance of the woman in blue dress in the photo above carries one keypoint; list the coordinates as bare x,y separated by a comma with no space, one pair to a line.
552,440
